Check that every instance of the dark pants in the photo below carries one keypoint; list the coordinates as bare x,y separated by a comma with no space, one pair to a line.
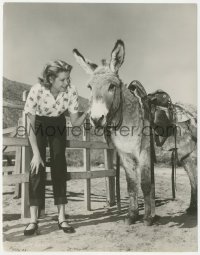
53,131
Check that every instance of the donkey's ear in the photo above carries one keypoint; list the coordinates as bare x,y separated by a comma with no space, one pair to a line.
86,64
117,56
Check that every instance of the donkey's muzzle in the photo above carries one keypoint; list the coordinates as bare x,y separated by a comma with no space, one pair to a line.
97,121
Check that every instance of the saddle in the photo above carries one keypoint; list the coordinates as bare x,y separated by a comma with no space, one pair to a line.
158,109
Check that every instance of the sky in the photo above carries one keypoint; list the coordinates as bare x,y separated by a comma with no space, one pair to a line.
160,42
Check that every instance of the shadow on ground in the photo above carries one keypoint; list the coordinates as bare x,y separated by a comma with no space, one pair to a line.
183,220
102,215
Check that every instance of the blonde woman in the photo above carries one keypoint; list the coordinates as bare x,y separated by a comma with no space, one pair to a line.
46,105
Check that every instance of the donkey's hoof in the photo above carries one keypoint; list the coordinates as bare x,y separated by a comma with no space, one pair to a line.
129,220
148,221
191,210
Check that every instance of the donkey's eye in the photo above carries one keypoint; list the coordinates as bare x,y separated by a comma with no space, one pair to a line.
111,87
89,86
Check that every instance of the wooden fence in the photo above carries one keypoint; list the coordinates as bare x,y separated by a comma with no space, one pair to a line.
19,173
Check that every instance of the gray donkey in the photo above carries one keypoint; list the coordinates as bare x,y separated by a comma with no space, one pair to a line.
112,102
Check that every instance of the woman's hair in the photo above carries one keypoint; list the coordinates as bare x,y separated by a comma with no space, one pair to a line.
51,70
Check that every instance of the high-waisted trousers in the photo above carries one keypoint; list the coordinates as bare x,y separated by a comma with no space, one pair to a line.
51,130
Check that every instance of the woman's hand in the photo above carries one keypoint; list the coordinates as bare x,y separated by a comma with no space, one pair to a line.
77,119
35,162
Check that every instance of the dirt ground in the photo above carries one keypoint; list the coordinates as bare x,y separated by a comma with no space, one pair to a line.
103,229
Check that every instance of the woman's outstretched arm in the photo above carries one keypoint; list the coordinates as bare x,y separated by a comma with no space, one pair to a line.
77,119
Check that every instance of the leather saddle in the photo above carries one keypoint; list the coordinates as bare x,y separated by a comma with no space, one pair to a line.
158,109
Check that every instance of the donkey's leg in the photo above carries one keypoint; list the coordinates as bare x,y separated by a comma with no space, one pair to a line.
191,169
146,185
130,164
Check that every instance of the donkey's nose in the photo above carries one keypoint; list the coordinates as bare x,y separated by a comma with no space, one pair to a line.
97,121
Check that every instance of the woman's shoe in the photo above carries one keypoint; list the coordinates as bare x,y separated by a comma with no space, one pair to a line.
69,229
32,231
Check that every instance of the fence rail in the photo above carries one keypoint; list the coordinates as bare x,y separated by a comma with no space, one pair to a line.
24,178
7,141
13,105
9,130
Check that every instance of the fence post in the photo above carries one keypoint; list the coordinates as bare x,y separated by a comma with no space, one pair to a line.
86,158
17,170
26,158
110,181
118,182
152,161
18,161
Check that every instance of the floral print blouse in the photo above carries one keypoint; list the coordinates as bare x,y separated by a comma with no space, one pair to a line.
41,102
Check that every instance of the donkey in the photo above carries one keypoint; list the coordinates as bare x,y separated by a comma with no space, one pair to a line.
112,102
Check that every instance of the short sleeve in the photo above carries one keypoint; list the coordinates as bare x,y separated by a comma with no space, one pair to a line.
73,101
32,101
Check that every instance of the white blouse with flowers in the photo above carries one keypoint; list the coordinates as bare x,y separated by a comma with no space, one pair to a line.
41,102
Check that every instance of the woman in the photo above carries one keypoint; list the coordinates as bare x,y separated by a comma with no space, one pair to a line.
46,105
